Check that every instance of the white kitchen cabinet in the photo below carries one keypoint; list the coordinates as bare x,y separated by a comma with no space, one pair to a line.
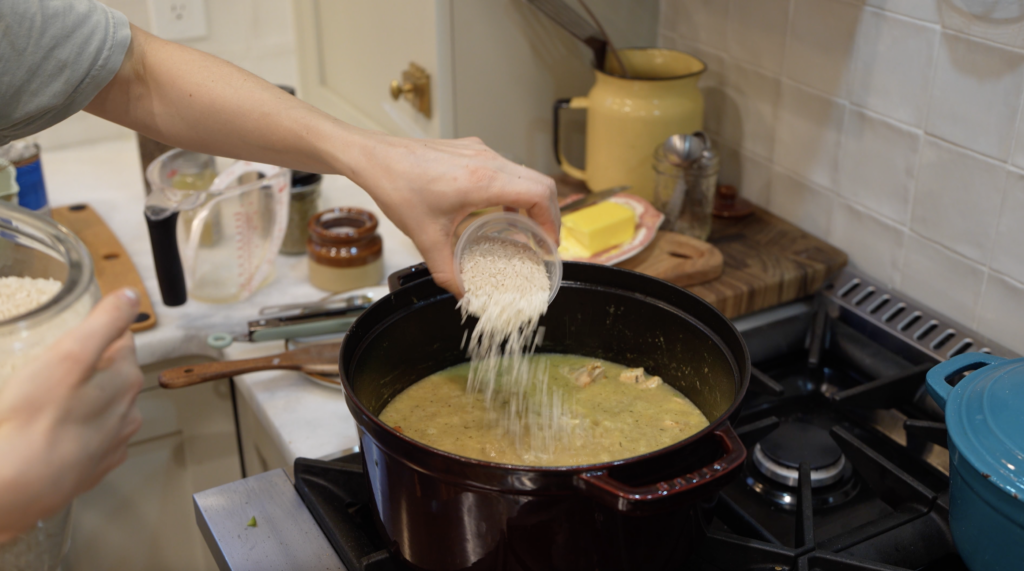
141,515
259,451
496,67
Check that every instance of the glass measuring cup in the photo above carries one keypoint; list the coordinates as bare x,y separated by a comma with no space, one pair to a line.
214,235
516,227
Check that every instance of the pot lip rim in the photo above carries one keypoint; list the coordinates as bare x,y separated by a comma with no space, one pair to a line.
703,68
979,452
581,468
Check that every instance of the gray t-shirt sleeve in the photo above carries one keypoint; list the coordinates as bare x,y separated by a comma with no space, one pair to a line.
55,56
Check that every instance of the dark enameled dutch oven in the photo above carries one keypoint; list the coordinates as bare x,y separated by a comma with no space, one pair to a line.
440,511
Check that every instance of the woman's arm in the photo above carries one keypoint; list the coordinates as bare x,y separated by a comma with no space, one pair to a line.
189,99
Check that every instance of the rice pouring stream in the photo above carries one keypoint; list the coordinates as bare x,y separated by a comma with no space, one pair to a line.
507,288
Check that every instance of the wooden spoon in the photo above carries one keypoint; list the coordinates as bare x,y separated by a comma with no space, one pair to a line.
315,359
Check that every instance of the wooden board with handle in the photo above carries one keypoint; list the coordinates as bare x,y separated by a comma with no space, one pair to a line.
113,267
768,261
677,259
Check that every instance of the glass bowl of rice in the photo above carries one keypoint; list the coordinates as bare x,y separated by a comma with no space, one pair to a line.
509,226
47,286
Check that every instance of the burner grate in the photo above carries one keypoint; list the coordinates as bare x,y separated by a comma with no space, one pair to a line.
751,546
335,493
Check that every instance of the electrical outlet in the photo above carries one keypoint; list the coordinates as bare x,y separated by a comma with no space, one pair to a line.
178,19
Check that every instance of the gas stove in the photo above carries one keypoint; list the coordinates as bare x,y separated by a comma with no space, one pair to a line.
847,468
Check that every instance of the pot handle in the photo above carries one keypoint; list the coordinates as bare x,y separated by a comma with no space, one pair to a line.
574,103
938,377
406,276
625,498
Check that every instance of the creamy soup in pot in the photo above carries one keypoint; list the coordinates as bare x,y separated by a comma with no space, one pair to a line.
612,411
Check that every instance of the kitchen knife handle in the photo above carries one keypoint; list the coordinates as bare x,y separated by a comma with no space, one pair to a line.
169,272
938,377
573,103
636,499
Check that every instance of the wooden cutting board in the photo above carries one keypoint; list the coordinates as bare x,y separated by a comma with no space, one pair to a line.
114,269
768,261
677,259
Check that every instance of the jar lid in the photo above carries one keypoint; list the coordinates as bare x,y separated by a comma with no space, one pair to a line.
985,415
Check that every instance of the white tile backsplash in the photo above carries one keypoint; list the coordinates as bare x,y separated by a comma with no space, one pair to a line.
926,10
1000,21
807,136
1008,251
700,22
1018,147
712,86
902,144
820,37
749,109
942,280
892,66
800,203
756,32
956,196
877,160
1000,313
749,174
977,95
875,245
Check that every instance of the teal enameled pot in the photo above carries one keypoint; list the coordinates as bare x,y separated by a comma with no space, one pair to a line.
985,420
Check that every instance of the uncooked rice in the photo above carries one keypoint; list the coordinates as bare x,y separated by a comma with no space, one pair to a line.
19,295
40,547
507,288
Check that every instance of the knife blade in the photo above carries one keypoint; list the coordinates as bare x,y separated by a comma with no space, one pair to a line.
592,199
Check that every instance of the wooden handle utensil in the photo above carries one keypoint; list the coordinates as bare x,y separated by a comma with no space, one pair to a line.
316,359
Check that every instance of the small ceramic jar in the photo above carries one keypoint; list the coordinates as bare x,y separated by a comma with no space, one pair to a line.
345,251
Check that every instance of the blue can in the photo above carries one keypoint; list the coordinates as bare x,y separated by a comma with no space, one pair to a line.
25,158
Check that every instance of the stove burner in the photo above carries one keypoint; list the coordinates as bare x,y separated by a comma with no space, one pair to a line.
773,468
779,455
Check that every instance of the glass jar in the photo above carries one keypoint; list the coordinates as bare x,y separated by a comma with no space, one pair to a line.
305,203
697,179
32,245
345,251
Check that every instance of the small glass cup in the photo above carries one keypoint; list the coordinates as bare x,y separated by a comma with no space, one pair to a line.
516,227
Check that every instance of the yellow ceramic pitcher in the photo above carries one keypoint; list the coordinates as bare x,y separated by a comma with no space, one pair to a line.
627,118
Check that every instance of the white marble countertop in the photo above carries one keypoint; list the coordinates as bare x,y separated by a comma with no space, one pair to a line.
304,418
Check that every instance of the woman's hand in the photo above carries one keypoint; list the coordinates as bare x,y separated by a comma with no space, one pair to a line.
426,187
65,419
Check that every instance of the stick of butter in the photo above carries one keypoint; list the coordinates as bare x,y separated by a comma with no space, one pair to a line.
596,228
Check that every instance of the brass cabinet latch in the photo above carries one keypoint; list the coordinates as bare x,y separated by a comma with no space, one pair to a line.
415,84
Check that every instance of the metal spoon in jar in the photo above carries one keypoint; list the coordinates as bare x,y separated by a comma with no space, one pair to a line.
681,150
